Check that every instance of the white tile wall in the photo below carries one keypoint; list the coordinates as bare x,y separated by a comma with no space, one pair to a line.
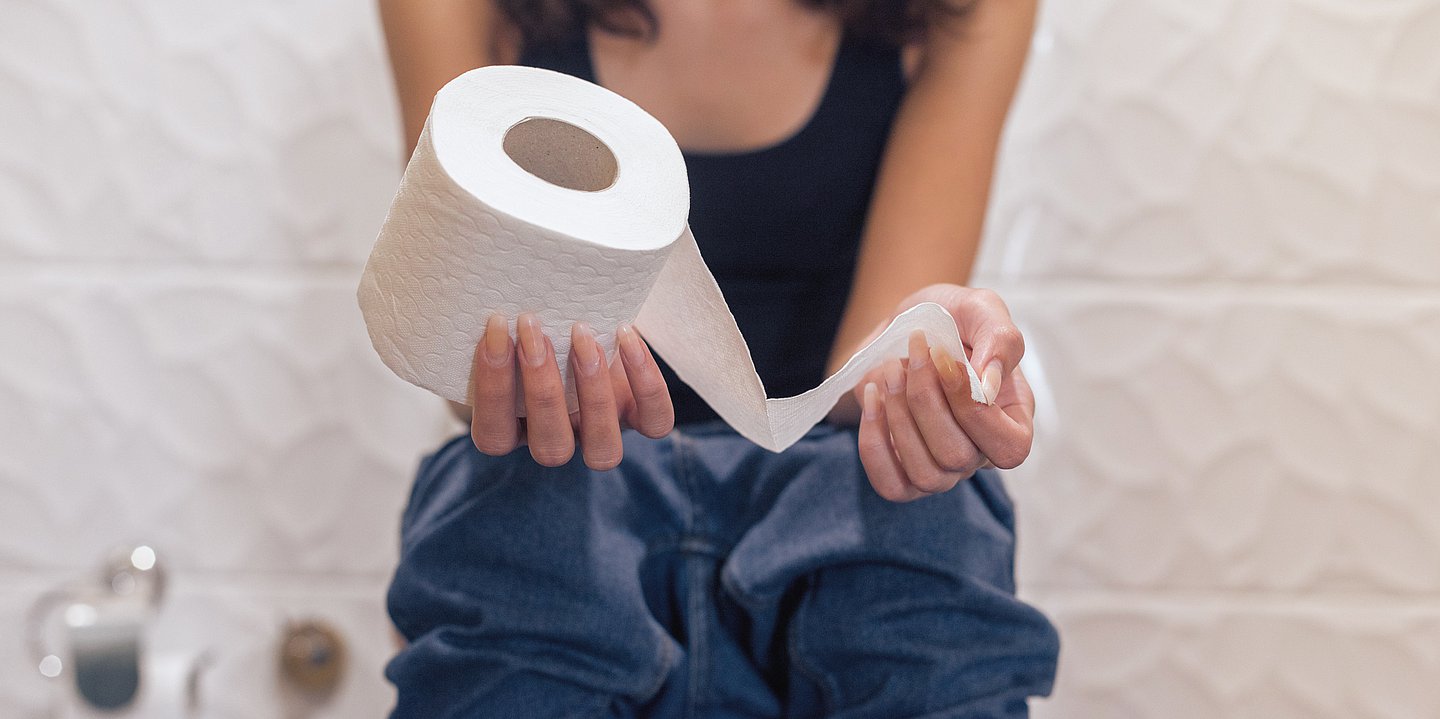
187,193
1219,223
1248,444
237,423
1205,658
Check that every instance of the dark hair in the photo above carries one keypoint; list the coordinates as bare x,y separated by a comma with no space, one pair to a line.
891,20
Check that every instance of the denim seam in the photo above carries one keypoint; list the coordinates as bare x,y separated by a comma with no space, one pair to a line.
667,649
829,692
699,645
687,481
685,474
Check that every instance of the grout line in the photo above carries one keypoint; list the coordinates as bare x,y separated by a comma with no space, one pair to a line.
89,273
176,273
25,581
19,581
1216,292
1279,601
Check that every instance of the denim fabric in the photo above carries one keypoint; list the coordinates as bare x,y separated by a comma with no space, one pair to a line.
706,577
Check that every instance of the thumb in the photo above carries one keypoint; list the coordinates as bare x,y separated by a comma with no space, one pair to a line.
997,344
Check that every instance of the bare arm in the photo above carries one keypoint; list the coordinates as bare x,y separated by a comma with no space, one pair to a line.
920,431
432,42
929,204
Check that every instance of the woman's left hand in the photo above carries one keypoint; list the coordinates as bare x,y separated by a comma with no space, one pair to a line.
920,431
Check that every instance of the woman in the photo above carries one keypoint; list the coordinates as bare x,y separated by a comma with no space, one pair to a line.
840,155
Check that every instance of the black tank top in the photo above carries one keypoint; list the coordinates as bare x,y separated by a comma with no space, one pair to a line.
780,226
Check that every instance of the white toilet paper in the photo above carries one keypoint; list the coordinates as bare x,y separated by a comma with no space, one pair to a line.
471,233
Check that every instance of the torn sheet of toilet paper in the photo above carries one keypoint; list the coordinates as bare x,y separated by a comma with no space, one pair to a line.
471,233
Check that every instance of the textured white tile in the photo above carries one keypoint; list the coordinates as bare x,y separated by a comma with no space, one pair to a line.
1196,658
1265,141
156,131
1134,45
236,425
1208,442
1343,45
1413,67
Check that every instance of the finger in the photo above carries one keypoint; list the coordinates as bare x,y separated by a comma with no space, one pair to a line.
876,454
599,422
930,408
997,343
1002,432
1016,393
493,428
875,376
620,387
551,440
1017,400
651,412
920,468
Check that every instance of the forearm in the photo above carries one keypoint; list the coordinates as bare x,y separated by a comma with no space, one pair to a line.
928,208
430,42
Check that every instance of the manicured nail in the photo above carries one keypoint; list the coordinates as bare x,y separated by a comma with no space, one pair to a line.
587,352
497,341
894,377
532,340
990,383
872,401
945,366
631,346
917,349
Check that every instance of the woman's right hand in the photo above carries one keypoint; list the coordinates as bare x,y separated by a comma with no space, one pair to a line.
629,393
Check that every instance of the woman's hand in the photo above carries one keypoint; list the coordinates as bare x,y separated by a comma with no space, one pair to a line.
630,393
920,432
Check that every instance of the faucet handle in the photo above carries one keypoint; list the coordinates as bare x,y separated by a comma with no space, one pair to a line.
133,575
312,656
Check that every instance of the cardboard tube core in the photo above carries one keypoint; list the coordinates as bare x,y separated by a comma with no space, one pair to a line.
561,154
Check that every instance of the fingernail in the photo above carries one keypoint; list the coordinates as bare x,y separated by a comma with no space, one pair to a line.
990,383
894,377
587,352
532,340
872,401
945,366
630,345
917,349
497,341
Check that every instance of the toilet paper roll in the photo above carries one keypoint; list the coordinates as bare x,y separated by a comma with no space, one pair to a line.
532,190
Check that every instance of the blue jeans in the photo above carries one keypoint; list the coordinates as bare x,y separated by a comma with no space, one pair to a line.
706,577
